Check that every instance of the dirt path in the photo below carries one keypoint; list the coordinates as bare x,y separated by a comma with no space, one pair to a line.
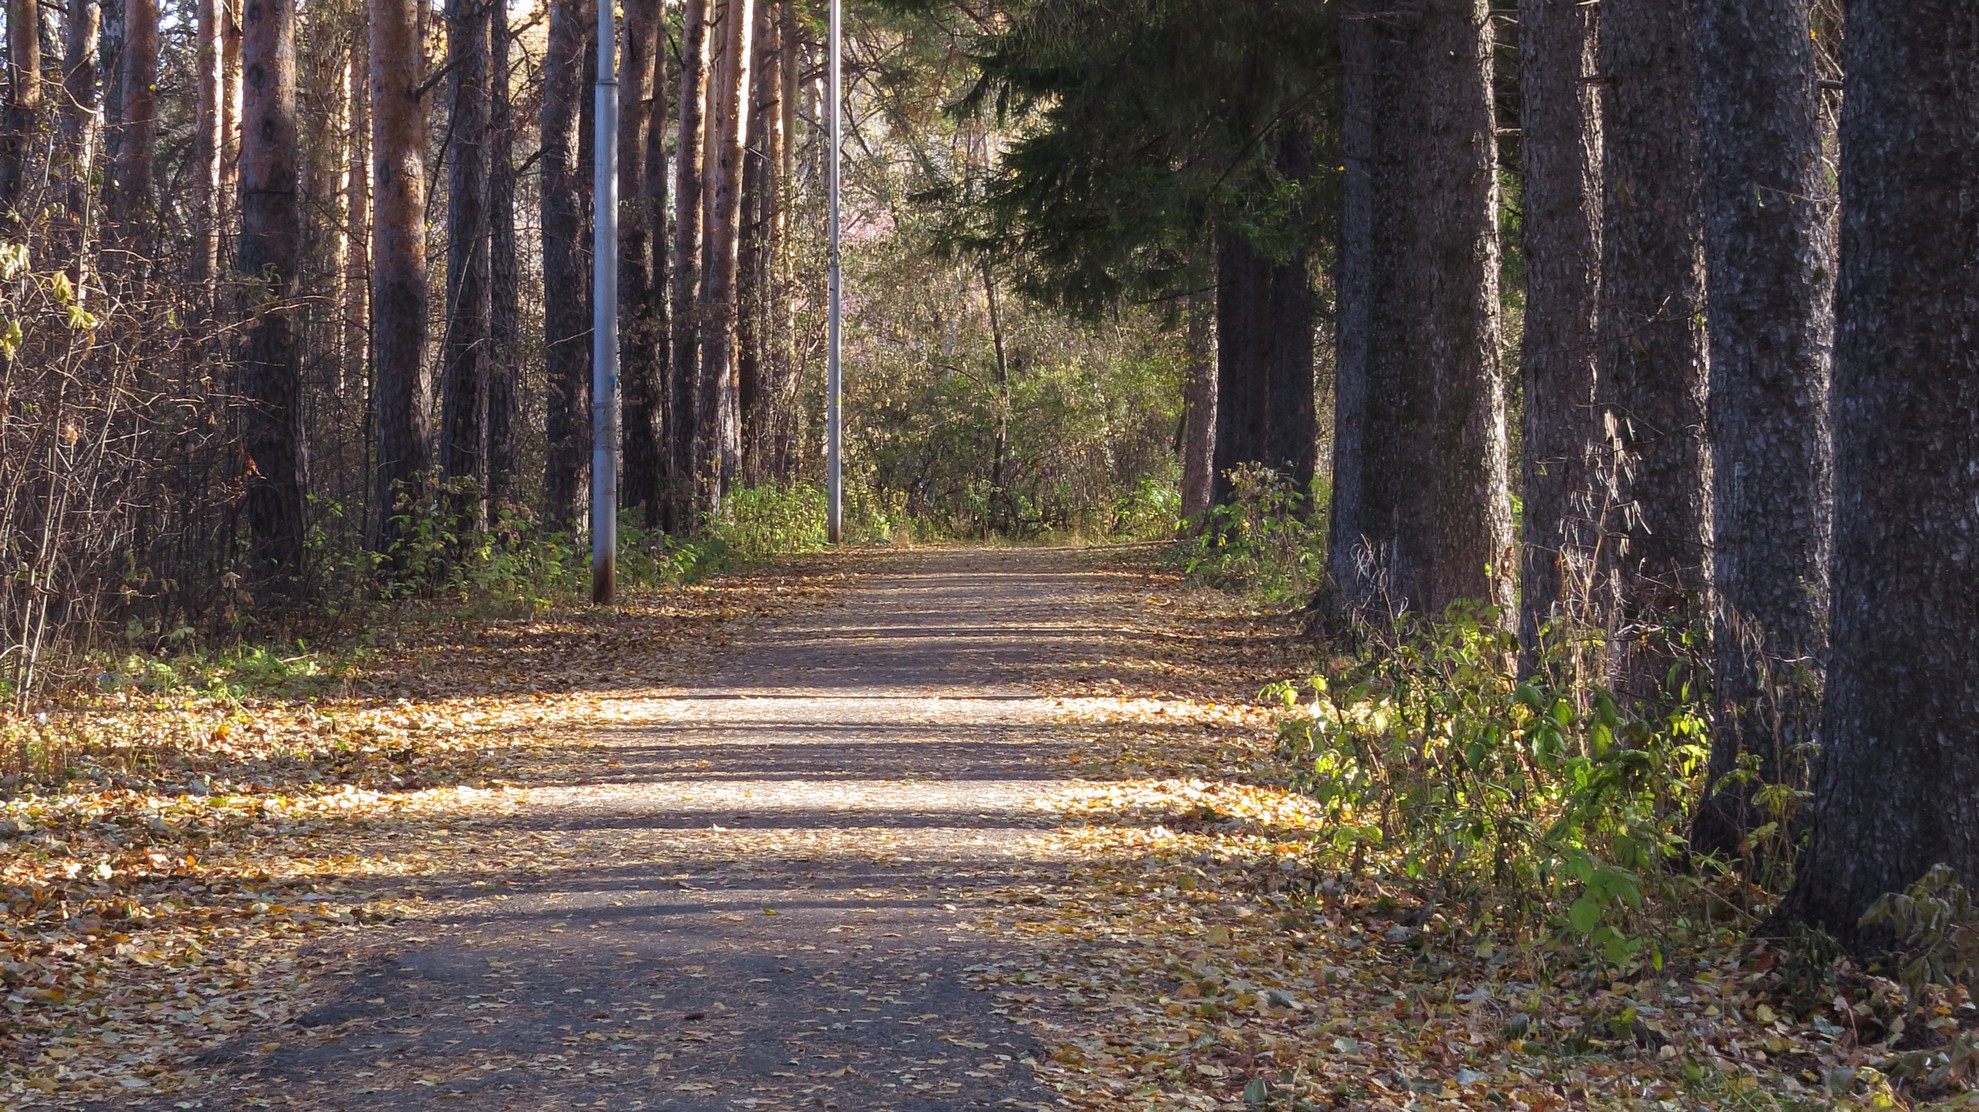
772,893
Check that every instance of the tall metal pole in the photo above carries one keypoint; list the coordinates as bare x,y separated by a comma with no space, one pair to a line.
604,318
834,381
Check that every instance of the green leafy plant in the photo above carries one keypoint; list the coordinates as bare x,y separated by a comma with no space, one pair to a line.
1545,804
1268,540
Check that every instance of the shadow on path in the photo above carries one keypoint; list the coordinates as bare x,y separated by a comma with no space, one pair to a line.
769,895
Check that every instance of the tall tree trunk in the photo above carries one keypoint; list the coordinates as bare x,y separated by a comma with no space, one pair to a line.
1003,508
1265,318
654,210
270,375
1423,509
207,144
357,215
755,387
1461,544
231,83
109,59
683,417
464,350
136,167
1651,382
718,445
1560,153
1898,790
22,115
504,278
781,322
403,388
76,143
1199,404
1364,49
639,342
566,263
1768,257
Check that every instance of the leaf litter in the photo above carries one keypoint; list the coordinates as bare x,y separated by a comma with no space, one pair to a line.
1175,943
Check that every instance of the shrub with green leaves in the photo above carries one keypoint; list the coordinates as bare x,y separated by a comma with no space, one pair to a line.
1268,541
1549,805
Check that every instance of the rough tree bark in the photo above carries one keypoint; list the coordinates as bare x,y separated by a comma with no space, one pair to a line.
464,349
718,443
1650,389
1898,790
357,216
403,389
683,420
207,143
76,142
1363,48
231,92
655,209
504,277
136,166
22,114
1560,153
1199,404
270,240
1265,314
1460,545
564,193
783,417
755,329
1424,514
1769,261
639,342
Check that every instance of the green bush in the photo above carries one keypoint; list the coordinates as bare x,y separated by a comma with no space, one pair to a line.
1269,541
759,522
1548,804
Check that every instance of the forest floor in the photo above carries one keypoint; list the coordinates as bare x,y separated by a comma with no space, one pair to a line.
915,830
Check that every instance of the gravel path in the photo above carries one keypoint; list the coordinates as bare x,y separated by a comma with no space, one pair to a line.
771,895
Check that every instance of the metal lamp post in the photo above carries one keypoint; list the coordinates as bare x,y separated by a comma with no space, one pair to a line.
834,383
604,319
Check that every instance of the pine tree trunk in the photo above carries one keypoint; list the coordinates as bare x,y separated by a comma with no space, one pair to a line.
357,216
1425,509
204,265
231,93
136,167
76,143
1898,788
756,385
639,341
403,388
22,115
683,416
1363,51
1461,546
464,350
270,241
718,443
1769,260
1265,317
564,191
1199,404
782,419
1653,468
656,210
1560,152
504,277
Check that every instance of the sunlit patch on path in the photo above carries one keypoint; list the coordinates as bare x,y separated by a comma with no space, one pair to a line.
774,886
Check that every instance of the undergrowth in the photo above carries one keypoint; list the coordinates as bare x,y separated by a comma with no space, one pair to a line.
1534,826
1268,541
